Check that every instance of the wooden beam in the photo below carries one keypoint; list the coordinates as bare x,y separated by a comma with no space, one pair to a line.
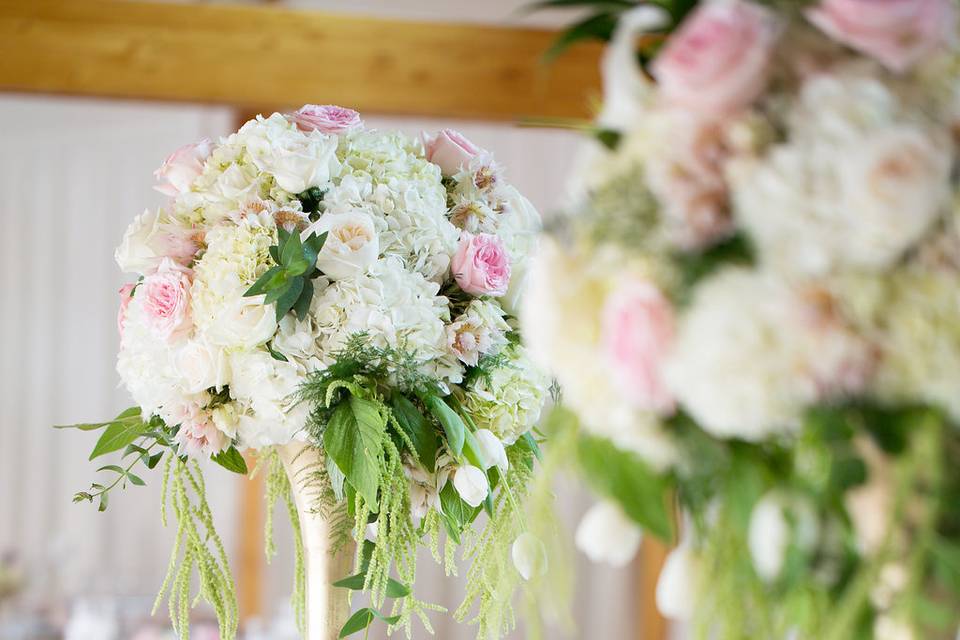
254,56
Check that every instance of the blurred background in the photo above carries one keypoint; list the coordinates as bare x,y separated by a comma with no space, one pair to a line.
73,173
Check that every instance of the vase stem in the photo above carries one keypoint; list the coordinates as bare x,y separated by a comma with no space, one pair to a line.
327,607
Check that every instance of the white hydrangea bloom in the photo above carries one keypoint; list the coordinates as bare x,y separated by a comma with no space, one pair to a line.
264,389
862,178
236,256
395,307
751,353
387,176
510,400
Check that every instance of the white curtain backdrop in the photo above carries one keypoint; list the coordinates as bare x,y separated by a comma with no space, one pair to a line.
72,176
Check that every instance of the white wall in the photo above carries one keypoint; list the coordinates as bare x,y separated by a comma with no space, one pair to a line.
73,173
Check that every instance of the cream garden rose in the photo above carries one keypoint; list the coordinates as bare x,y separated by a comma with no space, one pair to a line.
352,244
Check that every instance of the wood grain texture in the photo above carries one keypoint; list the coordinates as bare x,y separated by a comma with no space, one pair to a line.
256,56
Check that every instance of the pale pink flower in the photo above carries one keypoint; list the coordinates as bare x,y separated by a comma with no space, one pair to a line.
326,118
638,329
898,33
199,438
686,176
450,150
481,265
126,295
167,300
182,167
718,61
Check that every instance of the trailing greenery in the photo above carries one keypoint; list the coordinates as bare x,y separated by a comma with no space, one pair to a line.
197,548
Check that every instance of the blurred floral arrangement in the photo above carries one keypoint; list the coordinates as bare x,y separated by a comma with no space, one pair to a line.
11,576
311,280
753,312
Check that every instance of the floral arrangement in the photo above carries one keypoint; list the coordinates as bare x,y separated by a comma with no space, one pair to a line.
752,310
314,281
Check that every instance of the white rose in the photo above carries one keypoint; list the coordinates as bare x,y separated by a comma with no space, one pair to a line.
135,255
200,366
677,584
529,556
471,484
243,322
351,246
493,452
607,535
295,159
777,521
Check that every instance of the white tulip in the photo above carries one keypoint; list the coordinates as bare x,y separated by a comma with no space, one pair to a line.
352,244
529,556
492,450
677,584
471,484
607,535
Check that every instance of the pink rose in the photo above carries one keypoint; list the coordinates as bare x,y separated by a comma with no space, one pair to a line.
167,300
898,33
182,167
481,265
450,150
638,327
325,118
126,295
717,62
198,437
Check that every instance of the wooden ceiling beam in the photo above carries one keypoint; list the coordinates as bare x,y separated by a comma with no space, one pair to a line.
252,56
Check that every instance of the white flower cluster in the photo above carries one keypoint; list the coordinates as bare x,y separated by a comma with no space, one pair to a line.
200,353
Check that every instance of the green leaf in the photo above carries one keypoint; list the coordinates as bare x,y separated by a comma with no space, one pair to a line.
231,460
276,355
452,423
310,199
459,512
271,279
127,414
118,435
363,619
112,467
137,480
354,439
532,444
104,500
355,582
609,138
275,294
152,461
289,298
471,450
599,26
626,478
302,306
418,429
292,250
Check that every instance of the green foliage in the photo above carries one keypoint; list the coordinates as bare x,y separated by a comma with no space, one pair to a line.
353,438
288,285
696,265
420,432
623,476
363,619
453,425
311,200
197,548
231,460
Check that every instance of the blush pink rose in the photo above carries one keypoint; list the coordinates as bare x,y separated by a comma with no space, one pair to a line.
719,59
326,118
898,33
198,437
182,167
126,295
638,329
481,265
450,150
167,300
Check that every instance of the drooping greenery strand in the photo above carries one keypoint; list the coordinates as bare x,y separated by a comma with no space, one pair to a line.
202,550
